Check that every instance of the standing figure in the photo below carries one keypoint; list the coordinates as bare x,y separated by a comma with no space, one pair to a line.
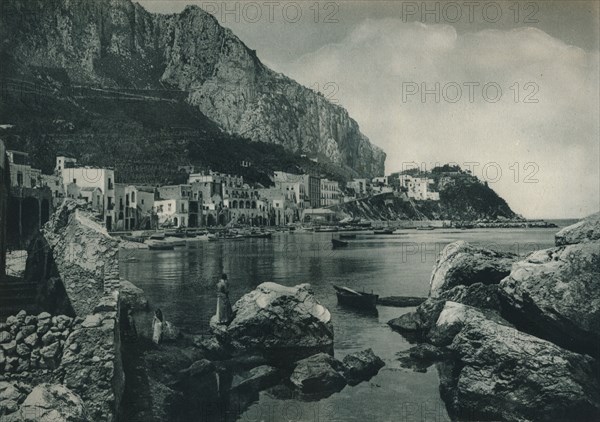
157,326
224,310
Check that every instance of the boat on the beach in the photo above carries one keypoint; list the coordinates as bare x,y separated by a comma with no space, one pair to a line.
265,235
326,229
384,231
157,236
160,246
336,243
354,299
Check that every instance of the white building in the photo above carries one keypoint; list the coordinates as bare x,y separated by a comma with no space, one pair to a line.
21,173
418,188
94,177
172,212
359,186
330,193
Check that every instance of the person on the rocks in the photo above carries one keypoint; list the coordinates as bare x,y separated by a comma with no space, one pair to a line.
224,311
157,326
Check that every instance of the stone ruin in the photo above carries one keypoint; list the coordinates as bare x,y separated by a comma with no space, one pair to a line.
73,349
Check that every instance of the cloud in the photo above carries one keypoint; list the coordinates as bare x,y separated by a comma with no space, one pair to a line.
371,67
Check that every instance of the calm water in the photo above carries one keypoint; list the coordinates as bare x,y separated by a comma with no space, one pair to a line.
181,283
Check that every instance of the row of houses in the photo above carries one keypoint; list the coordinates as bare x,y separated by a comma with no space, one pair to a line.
207,199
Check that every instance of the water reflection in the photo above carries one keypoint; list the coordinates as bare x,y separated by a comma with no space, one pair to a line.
182,284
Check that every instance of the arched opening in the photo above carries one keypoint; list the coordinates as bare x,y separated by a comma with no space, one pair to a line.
222,219
242,204
248,204
175,221
253,205
235,204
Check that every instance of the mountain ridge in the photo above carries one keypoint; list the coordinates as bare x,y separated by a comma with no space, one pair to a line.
118,44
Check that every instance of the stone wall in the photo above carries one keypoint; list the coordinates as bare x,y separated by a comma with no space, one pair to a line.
76,258
85,256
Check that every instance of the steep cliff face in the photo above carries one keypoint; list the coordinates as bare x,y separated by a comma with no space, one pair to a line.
118,44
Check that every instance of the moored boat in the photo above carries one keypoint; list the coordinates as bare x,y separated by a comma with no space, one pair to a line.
336,243
384,231
354,299
157,236
160,246
347,236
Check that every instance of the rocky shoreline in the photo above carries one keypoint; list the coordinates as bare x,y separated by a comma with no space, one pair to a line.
513,339
280,339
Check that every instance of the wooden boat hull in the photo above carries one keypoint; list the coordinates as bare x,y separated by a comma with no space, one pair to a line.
358,300
161,247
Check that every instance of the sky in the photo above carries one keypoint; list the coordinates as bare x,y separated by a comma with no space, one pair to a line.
507,89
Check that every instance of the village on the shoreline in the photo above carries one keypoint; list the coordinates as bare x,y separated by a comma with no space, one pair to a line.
208,198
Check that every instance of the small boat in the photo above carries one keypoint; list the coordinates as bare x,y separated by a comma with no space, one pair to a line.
384,231
354,299
347,236
426,228
157,236
266,235
132,259
212,238
336,243
326,229
160,246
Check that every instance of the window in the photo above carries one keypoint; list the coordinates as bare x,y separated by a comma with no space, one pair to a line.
142,202
132,196
19,178
75,181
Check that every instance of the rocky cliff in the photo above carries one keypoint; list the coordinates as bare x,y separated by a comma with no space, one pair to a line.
513,342
115,44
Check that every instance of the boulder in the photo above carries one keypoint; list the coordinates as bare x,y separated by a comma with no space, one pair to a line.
286,321
500,373
421,356
416,325
585,230
10,397
361,366
51,403
555,294
318,374
133,296
460,263
198,368
256,379
453,318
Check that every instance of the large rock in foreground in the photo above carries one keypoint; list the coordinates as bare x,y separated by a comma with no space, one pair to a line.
585,230
319,374
463,264
416,325
500,373
50,403
555,294
278,319
361,366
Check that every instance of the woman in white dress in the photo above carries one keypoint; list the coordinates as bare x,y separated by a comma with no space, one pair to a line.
224,312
